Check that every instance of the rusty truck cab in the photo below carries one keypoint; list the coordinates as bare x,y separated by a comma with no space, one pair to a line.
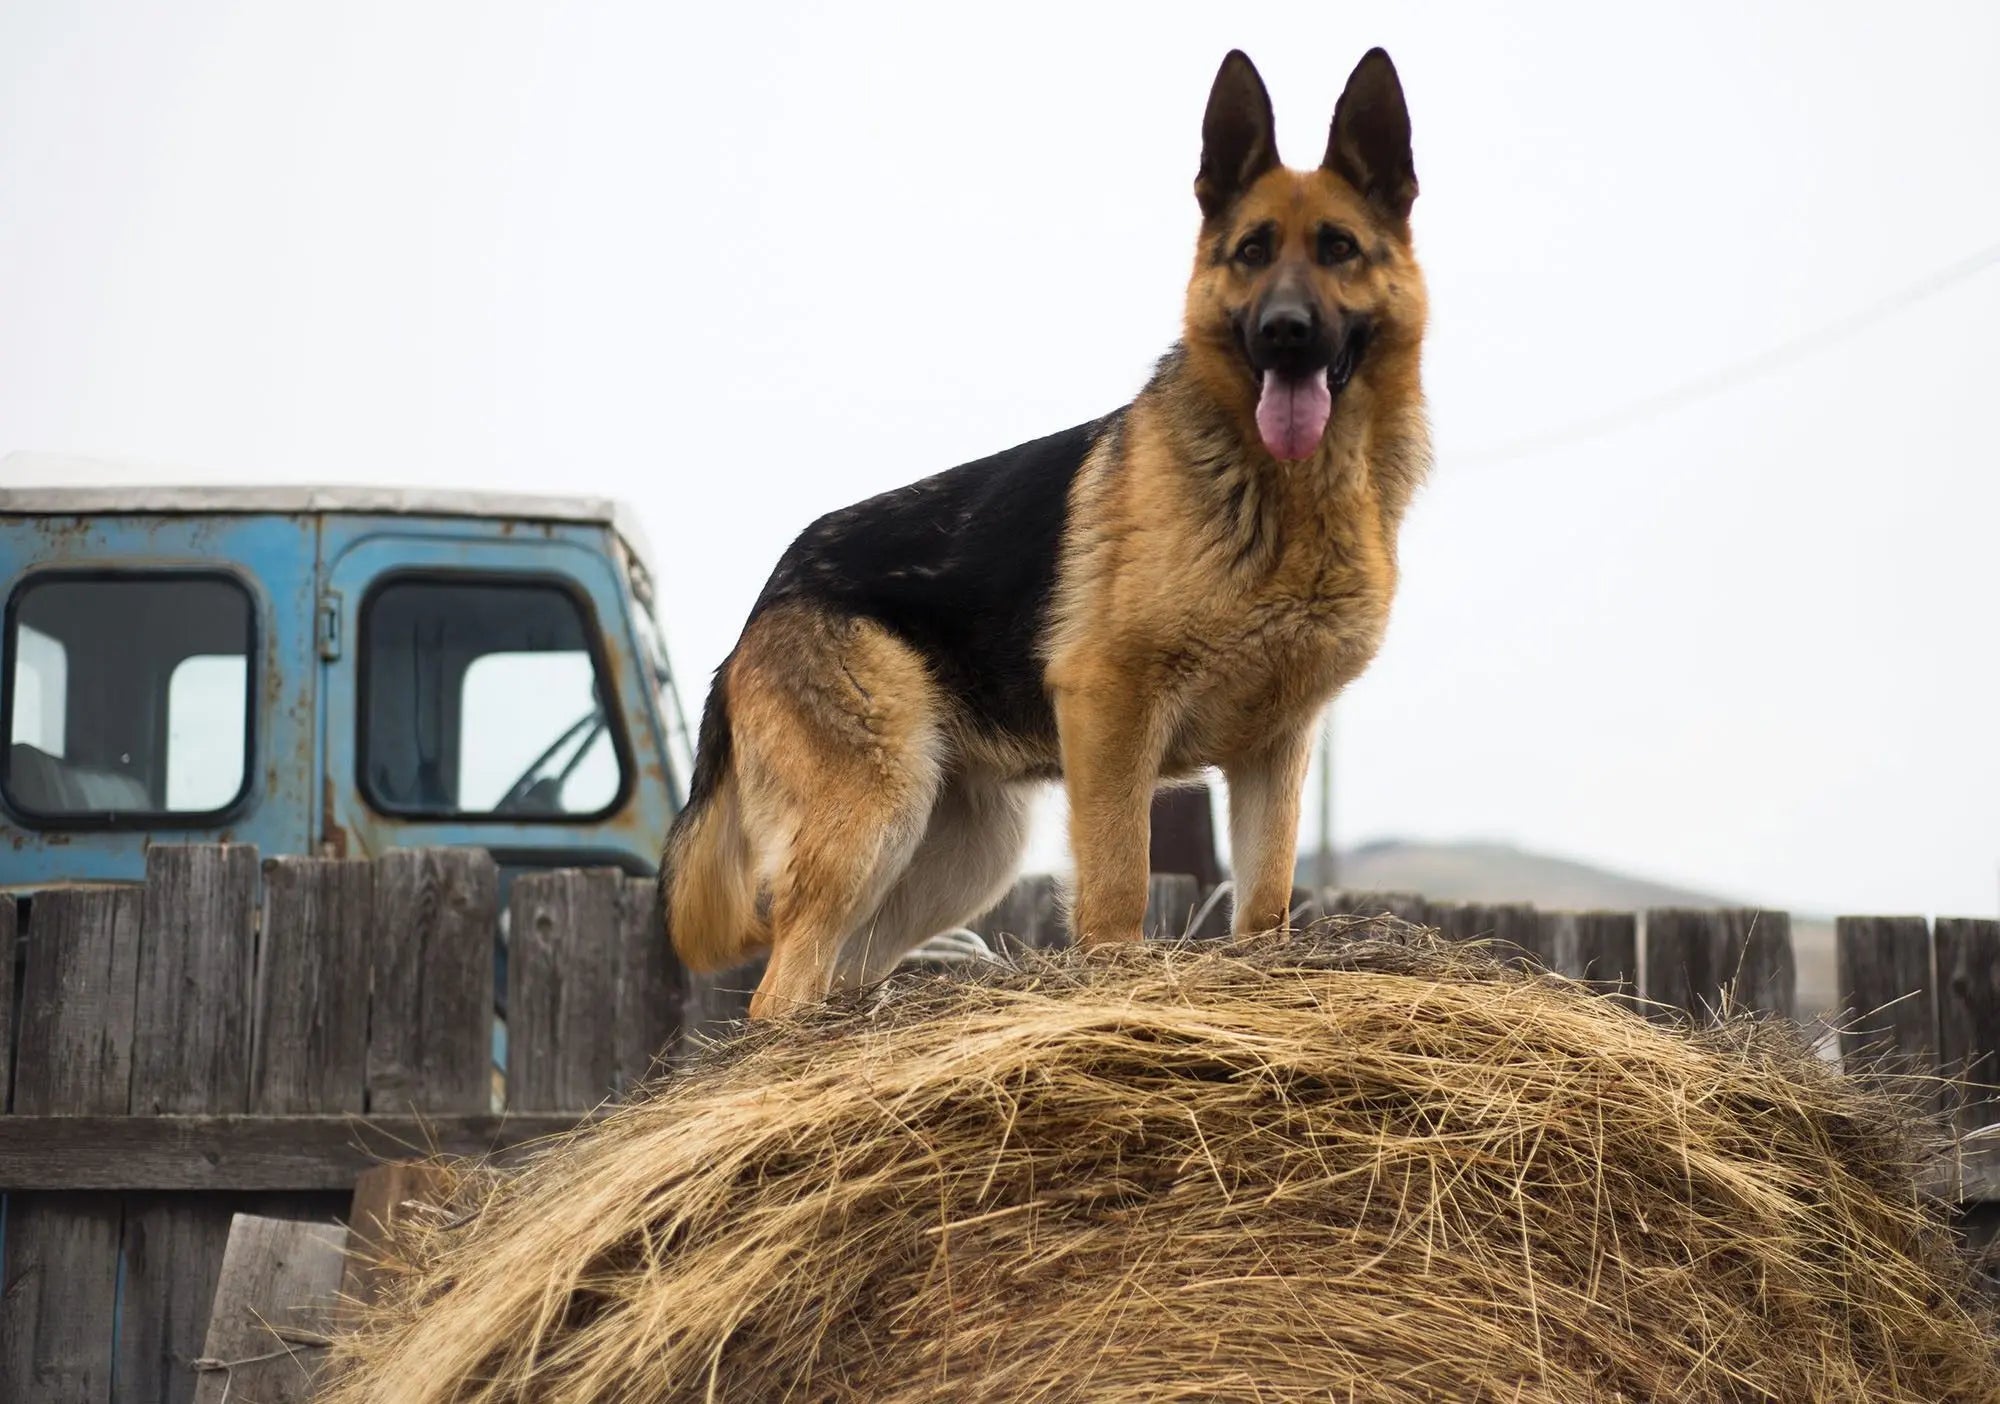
338,671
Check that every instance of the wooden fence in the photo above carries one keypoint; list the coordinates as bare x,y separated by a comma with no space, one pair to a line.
233,1038
243,1038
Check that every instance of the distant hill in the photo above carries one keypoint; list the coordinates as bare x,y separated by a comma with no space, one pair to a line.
1498,872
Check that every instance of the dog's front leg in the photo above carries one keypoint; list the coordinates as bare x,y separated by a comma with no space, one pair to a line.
1112,739
1264,791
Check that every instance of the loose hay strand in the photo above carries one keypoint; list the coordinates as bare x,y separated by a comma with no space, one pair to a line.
1353,1164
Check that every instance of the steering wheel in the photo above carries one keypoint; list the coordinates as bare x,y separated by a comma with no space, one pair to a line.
531,793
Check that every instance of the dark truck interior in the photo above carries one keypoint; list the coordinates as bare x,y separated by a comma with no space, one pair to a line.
425,721
106,715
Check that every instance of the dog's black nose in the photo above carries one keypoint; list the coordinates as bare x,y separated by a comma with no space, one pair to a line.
1283,329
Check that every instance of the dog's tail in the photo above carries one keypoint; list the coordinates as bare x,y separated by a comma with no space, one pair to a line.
708,879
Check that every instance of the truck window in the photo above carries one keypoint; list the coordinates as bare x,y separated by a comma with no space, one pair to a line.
127,697
485,699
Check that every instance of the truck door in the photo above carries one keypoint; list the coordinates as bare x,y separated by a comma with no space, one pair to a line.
158,685
483,687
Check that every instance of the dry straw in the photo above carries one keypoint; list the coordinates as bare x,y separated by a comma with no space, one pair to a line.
1354,1165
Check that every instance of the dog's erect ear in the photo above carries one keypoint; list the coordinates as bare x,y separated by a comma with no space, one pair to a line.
1370,143
1238,143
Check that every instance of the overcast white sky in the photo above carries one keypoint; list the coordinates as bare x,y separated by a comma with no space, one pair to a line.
742,264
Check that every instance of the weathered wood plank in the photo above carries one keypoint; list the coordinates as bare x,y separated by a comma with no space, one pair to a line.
1342,901
1306,908
1445,918
382,1197
1183,834
59,1281
562,993
717,1003
9,929
1968,1023
1887,996
60,1293
1212,914
1767,972
310,1041
1680,977
1170,899
190,1056
430,1037
197,950
1704,963
240,1152
1515,927
1972,1177
652,987
1406,905
274,1304
77,998
172,1253
1600,947
1029,917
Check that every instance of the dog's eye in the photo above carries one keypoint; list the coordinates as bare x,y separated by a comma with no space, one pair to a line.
1253,252
1336,247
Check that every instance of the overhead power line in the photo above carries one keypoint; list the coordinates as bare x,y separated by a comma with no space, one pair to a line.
1727,377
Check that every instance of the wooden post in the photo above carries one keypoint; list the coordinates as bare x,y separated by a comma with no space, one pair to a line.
190,1054
1515,927
1214,913
1183,834
1968,1032
1704,963
651,988
61,1268
1170,899
9,924
562,989
77,1001
1767,973
382,1198
1305,909
191,1035
1600,947
718,1002
1407,906
1887,997
274,1300
310,1050
430,1038
1029,917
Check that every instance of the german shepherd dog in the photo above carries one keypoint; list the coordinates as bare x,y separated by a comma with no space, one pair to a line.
1183,583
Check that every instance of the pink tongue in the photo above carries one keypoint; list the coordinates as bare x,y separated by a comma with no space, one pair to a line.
1292,414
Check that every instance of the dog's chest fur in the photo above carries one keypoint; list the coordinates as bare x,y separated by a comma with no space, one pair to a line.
1241,595
1293,641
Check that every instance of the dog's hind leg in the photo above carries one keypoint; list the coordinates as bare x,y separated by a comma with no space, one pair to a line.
837,731
969,853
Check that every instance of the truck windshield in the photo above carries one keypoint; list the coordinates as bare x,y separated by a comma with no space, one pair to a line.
484,699
127,697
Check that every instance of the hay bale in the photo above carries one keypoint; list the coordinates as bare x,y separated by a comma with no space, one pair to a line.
1353,1165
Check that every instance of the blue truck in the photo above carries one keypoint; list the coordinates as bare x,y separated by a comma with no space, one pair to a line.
336,671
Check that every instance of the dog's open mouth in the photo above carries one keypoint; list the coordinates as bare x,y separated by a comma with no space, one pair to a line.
1293,410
